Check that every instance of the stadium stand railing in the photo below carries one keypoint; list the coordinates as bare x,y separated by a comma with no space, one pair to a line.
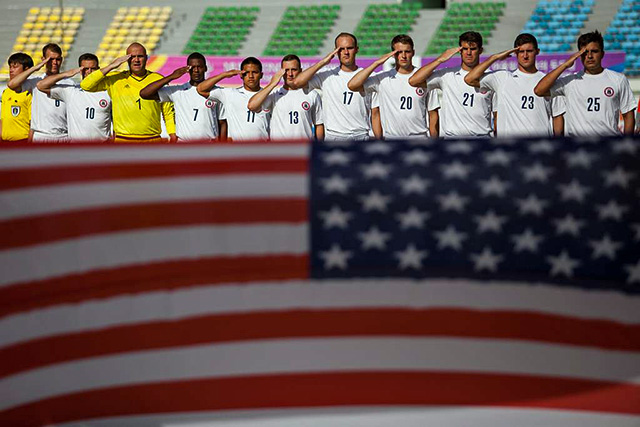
303,30
133,24
461,17
381,22
46,25
222,30
557,23
623,33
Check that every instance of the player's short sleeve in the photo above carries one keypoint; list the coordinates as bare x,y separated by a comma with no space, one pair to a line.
318,117
30,84
59,92
218,94
221,113
433,101
558,106
491,81
166,93
318,79
627,101
373,82
558,87
269,101
494,101
434,81
373,100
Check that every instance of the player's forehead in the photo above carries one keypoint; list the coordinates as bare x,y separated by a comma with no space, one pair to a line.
292,64
526,46
89,63
402,47
50,53
469,45
15,64
196,62
136,50
251,67
592,46
345,42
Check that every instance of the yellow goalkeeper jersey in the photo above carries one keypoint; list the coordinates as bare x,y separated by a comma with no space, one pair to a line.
132,116
16,115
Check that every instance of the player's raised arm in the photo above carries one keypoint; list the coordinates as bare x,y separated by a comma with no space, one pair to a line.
420,77
205,86
15,83
151,90
48,82
303,78
474,76
543,88
256,101
356,83
94,82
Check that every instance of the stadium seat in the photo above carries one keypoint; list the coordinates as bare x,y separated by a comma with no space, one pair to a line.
623,33
559,20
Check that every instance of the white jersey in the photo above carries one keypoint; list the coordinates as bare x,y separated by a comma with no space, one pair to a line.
48,116
403,108
196,117
594,102
88,113
466,110
294,113
346,113
520,111
242,123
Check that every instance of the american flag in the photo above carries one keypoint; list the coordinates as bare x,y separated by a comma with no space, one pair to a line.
456,282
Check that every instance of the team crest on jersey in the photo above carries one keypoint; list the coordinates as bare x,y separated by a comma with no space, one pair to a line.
609,92
103,103
266,110
209,103
306,105
15,110
420,91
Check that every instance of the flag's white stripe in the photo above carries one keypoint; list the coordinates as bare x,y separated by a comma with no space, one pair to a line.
317,295
44,157
378,416
60,198
146,246
301,356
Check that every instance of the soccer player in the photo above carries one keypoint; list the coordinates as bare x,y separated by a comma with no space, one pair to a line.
196,119
403,109
346,113
134,119
88,113
243,123
520,111
295,113
15,114
466,111
48,116
596,96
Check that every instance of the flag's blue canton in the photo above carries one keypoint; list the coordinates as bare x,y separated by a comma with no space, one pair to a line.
560,211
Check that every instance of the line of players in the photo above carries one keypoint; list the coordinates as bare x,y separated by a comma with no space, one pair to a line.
354,104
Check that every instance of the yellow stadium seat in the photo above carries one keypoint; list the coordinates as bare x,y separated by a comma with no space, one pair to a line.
56,10
149,24
101,52
130,18
156,9
18,47
68,39
157,31
66,18
74,25
39,26
104,45
54,18
118,39
145,9
27,25
21,39
76,18
45,39
79,10
42,18
112,31
118,18
167,9
45,11
24,33
123,10
123,31
65,46
126,25
31,46
34,11
154,38
31,18
33,39
134,10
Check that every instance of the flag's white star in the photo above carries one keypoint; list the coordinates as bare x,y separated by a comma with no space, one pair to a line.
531,205
605,247
634,272
376,170
412,218
336,157
536,172
461,147
416,157
452,202
374,239
375,201
542,147
625,146
527,241
618,176
456,169
378,148
450,238
335,217
486,260
493,187
573,191
410,258
414,184
490,222
611,210
580,158
562,264
498,157
568,225
335,258
335,184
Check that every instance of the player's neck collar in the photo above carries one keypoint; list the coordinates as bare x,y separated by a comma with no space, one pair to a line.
140,78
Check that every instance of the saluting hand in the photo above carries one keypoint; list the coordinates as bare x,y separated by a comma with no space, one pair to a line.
332,55
72,72
506,54
232,73
119,61
178,72
277,76
386,56
572,59
449,53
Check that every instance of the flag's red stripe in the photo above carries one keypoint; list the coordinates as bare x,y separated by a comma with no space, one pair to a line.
331,390
65,225
17,146
151,277
51,175
459,323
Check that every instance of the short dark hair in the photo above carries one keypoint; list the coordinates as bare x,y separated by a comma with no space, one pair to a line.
197,55
251,60
402,38
291,57
21,58
525,38
52,47
470,37
88,57
343,34
592,37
